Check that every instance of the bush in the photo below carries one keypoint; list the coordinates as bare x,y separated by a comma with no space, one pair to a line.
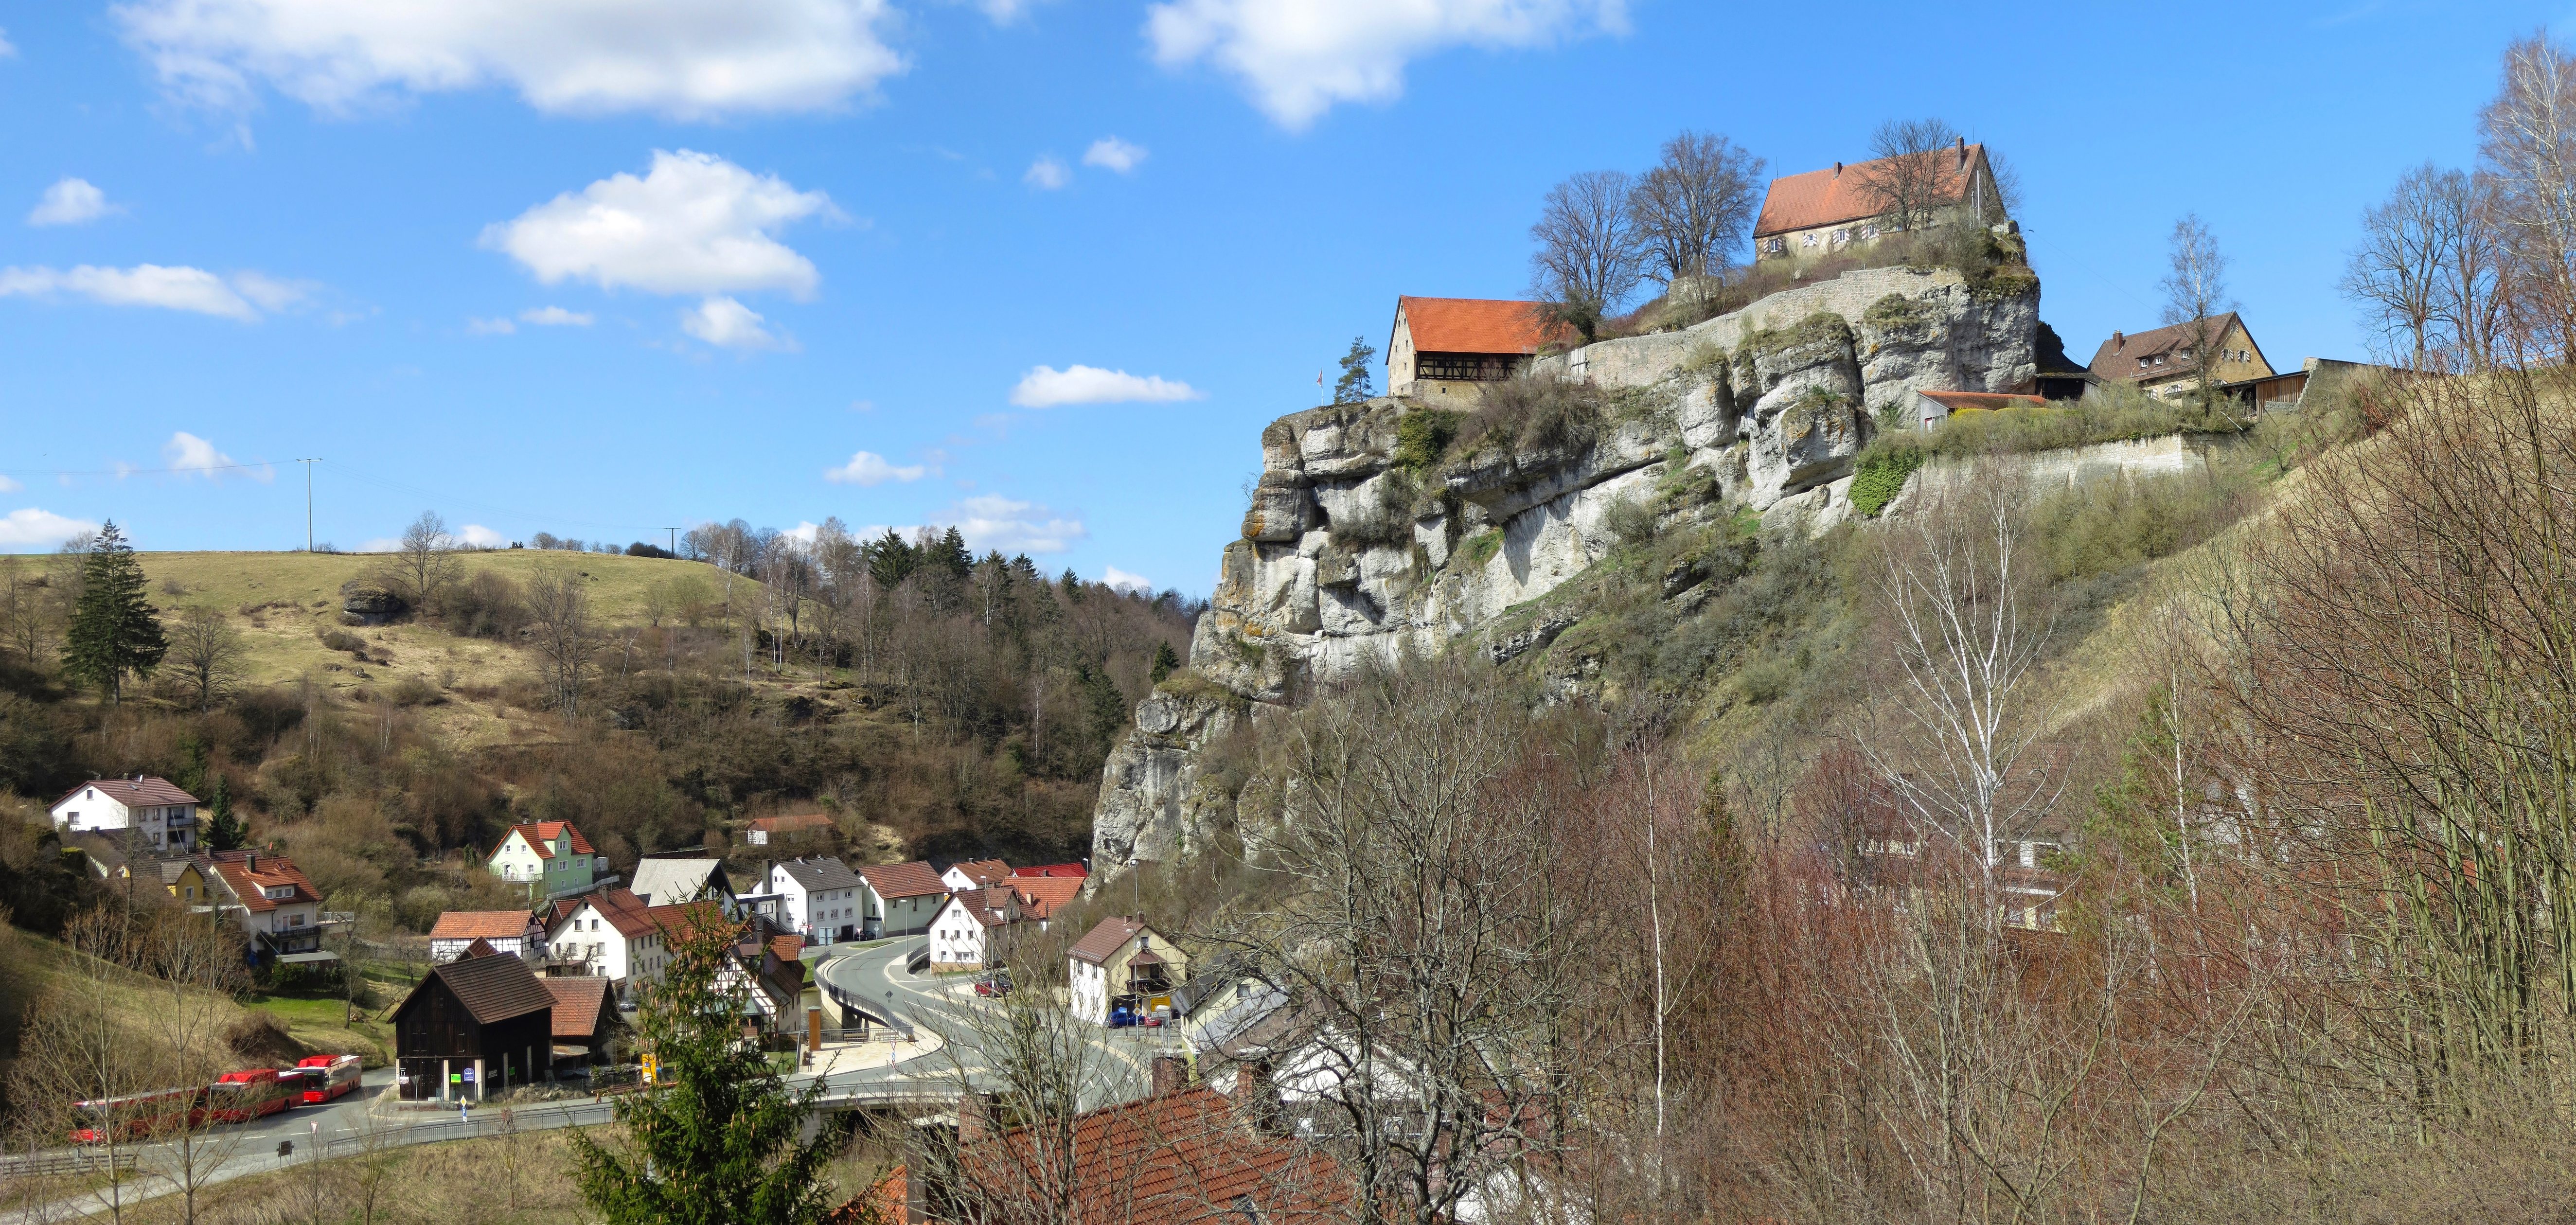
1423,436
2108,526
1531,413
1880,475
342,640
414,691
1481,547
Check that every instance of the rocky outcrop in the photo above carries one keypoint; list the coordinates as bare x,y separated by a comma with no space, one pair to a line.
1385,527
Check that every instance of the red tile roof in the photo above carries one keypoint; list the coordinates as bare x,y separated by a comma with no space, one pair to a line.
913,879
1042,896
480,924
579,1003
541,836
251,877
790,824
1834,195
1187,1156
1074,870
984,872
788,948
1478,325
1106,938
131,792
990,907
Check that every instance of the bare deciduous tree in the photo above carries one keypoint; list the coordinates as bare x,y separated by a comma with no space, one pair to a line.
2403,264
2195,289
196,965
205,654
1692,209
1588,260
1912,172
2529,144
566,637
425,562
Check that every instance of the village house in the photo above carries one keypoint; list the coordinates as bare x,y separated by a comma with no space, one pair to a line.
1931,408
276,906
161,816
107,860
819,898
505,931
1806,217
971,930
2160,361
549,856
902,898
1041,896
667,880
781,831
1121,962
975,874
1448,348
472,1028
586,1022
766,967
612,934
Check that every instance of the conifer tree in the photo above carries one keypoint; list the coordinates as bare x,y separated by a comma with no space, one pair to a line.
1356,383
718,1145
1165,662
224,831
114,631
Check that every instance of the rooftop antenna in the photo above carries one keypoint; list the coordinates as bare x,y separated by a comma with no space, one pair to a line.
308,500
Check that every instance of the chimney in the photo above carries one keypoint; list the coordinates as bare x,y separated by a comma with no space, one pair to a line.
1258,1094
1963,153
2118,342
1838,170
974,1116
1171,1074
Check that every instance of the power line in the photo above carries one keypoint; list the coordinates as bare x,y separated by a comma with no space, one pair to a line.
142,471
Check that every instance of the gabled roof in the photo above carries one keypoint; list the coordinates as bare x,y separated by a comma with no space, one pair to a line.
252,876
1073,870
986,873
2117,359
580,1002
151,789
494,988
1042,896
1478,325
1834,194
480,924
679,880
1110,935
790,824
913,879
988,907
818,872
541,837
620,907
1187,1156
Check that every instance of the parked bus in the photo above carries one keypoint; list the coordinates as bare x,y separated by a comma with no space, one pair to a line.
137,1115
328,1076
242,1096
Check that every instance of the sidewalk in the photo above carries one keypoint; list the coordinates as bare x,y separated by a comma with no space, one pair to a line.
838,1057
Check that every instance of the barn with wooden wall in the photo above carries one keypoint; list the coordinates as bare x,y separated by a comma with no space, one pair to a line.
473,1028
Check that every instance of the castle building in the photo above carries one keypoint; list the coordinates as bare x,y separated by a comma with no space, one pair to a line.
1445,348
1806,217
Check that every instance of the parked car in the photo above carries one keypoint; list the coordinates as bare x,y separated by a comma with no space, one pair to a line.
995,984
1121,1017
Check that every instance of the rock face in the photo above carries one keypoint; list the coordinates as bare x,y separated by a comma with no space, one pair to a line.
1382,527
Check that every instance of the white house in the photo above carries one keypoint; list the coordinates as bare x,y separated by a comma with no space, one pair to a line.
276,906
507,931
1123,961
670,880
162,815
551,855
968,874
902,897
614,935
818,898
972,927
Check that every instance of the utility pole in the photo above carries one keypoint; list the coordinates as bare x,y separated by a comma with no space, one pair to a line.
308,500
675,540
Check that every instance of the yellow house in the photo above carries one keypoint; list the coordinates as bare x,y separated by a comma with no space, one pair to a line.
1123,962
2160,362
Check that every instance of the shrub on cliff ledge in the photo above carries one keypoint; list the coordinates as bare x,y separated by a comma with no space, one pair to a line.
1539,412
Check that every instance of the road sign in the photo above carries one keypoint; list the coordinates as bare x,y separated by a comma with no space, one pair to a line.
469,1076
652,1070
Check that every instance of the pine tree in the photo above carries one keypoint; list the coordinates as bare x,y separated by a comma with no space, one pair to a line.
1356,383
224,831
1165,662
717,1146
951,554
114,632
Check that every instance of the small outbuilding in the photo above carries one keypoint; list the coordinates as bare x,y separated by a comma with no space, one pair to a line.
1931,408
586,1022
472,1028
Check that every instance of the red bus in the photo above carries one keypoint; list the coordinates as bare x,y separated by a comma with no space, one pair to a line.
328,1076
137,1115
242,1096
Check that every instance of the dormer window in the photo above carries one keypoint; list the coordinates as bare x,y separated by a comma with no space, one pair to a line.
279,893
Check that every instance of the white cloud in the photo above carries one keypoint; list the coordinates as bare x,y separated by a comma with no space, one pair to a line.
1115,154
185,452
1297,60
40,528
171,288
1118,578
680,58
1004,12
555,317
70,202
477,536
271,294
1047,174
695,223
728,324
869,468
1046,387
9,486
489,327
7,48
990,521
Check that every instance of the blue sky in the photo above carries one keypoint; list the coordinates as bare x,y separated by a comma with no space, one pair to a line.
539,269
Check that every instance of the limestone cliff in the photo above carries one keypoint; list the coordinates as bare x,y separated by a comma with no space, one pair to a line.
1386,525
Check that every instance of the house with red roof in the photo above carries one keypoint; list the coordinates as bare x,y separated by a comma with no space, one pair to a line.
504,931
1931,408
550,856
1122,963
1447,348
1806,217
901,898
276,906
972,929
